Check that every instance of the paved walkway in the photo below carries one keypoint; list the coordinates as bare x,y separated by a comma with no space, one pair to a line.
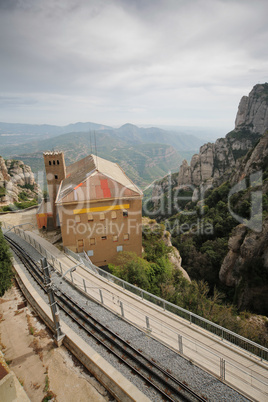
243,371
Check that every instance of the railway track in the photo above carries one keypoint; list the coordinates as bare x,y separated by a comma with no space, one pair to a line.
168,387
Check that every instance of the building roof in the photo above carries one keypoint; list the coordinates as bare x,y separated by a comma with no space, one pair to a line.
95,178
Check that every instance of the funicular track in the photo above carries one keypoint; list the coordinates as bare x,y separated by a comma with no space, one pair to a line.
168,387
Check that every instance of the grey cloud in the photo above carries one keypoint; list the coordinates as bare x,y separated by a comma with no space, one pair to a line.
136,52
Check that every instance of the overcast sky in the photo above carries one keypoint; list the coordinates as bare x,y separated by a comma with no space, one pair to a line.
156,62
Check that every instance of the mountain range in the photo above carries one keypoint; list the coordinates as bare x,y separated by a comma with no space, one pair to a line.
144,153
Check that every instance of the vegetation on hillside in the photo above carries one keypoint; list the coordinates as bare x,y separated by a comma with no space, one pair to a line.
22,204
5,265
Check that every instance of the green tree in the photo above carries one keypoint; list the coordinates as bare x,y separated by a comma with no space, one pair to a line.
5,265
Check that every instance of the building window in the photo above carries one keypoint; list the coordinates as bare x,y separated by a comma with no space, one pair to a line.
115,238
92,241
89,217
54,163
126,236
90,253
125,212
56,176
119,248
77,218
103,237
58,162
49,162
102,217
113,216
80,243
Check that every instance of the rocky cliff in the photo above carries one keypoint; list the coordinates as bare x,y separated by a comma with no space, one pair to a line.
15,179
253,110
245,266
215,161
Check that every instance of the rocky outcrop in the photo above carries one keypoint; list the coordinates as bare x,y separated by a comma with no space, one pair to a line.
216,161
246,267
255,161
4,176
21,174
253,110
174,257
15,177
229,272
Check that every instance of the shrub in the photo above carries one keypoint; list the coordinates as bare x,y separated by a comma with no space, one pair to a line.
5,265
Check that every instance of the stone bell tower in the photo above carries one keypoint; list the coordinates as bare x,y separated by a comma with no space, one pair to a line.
55,172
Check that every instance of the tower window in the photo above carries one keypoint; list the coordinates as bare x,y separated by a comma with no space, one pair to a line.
56,176
113,215
58,162
54,163
125,212
49,162
126,236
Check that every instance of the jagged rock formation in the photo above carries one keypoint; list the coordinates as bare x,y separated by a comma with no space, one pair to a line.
253,111
15,177
174,256
216,161
255,160
241,158
244,268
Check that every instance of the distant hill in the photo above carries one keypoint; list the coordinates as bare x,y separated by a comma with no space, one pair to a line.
145,153
16,133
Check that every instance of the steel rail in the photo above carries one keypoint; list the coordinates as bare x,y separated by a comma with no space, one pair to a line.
134,358
28,261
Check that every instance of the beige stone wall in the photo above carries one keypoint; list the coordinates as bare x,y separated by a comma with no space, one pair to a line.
55,173
112,226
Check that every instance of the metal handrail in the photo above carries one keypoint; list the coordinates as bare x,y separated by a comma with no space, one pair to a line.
262,351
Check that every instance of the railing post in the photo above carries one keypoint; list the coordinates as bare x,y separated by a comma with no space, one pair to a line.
147,322
222,369
71,276
101,296
84,283
180,344
122,309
